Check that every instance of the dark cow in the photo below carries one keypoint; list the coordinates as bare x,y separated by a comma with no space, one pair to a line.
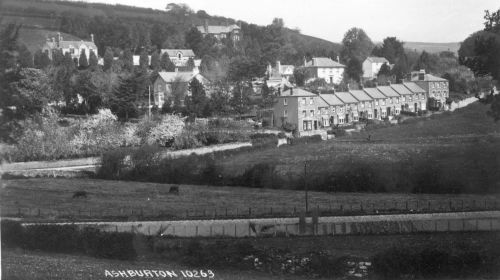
80,194
174,190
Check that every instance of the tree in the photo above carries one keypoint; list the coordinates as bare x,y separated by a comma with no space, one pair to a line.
356,47
427,61
197,104
190,64
85,87
194,39
93,62
384,70
127,59
392,49
25,57
155,61
108,59
301,75
240,100
220,98
123,103
166,64
41,60
356,44
83,63
354,69
144,60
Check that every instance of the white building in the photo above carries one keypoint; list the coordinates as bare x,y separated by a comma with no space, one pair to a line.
179,57
74,48
325,68
372,65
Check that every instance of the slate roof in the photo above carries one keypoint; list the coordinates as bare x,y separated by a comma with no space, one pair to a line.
218,29
360,95
297,92
389,91
331,99
346,97
174,52
182,76
376,59
414,87
401,89
72,44
324,62
432,78
374,93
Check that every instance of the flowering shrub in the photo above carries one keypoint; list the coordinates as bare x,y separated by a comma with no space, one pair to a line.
166,131
99,132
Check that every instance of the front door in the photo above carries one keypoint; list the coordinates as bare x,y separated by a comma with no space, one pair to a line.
315,125
416,107
388,111
375,114
346,118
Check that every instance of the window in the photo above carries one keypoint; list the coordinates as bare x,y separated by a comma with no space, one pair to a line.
310,101
325,122
303,101
307,125
285,113
370,116
341,119
333,109
369,104
383,102
409,98
72,51
391,100
159,87
362,104
376,102
304,113
285,102
397,99
404,98
179,55
311,112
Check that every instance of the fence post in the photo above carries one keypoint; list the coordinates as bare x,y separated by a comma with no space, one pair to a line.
451,205
249,211
271,211
235,230
361,206
342,208
406,205
429,206
226,212
435,226
39,212
196,231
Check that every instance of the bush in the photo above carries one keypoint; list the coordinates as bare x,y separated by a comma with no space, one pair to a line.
264,140
69,239
281,135
289,127
113,164
186,140
306,140
165,132
338,132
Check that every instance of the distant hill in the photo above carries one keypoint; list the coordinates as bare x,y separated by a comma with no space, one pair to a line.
49,15
432,47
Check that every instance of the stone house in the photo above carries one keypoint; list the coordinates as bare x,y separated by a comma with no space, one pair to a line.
379,99
74,48
436,88
365,103
325,68
371,66
335,109
390,106
220,32
179,57
350,106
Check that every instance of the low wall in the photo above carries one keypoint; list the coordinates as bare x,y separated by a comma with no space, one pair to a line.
462,103
381,224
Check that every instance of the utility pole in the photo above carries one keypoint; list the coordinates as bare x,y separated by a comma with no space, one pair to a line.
305,186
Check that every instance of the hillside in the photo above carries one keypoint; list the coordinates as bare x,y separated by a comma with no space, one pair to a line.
432,47
34,38
54,15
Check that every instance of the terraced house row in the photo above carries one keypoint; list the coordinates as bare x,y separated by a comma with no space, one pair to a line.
311,113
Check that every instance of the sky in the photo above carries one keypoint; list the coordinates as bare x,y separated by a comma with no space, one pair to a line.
439,21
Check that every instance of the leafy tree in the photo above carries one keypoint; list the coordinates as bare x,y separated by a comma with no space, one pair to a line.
392,49
384,70
93,61
356,47
155,61
144,60
354,69
194,39
220,98
427,61
190,64
301,75
240,100
25,57
197,104
356,44
166,64
41,60
83,63
85,87
57,57
108,59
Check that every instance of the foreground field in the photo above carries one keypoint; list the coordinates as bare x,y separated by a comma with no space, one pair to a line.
20,264
54,197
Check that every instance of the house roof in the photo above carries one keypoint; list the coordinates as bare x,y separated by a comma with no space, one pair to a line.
432,78
72,44
297,92
401,89
414,87
374,93
182,76
324,62
320,102
331,99
287,69
174,52
217,29
346,97
389,91
360,95
376,59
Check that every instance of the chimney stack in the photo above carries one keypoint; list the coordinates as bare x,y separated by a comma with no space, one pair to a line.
421,75
291,91
278,66
206,26
92,37
338,59
176,69
305,62
59,39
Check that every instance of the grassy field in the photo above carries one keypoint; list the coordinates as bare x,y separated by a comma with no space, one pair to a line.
110,198
20,264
